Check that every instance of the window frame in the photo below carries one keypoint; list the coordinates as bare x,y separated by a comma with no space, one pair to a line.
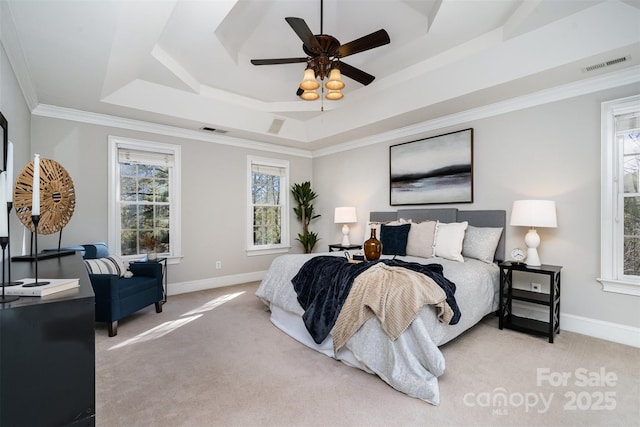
612,277
175,174
284,246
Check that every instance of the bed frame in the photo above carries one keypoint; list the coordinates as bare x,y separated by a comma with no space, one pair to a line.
480,218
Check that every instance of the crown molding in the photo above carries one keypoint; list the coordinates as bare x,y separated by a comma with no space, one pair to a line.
15,55
606,81
70,114
570,90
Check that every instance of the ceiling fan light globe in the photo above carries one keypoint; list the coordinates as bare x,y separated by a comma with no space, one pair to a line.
309,95
335,82
309,80
334,95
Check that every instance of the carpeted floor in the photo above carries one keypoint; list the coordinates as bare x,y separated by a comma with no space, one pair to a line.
213,358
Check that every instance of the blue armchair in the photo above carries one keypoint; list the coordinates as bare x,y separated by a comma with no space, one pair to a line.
118,297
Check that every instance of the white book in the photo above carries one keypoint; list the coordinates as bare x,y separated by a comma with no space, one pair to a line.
54,285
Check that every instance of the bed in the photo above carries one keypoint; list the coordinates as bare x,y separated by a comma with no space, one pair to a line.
412,362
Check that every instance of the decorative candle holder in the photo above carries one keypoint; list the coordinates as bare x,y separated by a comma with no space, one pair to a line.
35,219
9,282
4,298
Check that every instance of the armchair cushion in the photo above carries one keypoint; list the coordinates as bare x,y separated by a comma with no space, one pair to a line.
110,265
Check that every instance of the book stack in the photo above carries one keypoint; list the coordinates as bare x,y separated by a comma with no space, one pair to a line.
54,286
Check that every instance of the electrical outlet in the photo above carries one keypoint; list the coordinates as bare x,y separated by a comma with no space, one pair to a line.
536,287
218,265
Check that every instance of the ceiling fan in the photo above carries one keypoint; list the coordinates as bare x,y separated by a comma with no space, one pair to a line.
324,54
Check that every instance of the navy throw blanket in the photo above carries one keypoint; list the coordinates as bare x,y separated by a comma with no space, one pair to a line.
323,284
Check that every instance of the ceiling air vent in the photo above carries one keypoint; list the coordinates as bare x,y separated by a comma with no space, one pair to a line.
276,125
213,130
604,64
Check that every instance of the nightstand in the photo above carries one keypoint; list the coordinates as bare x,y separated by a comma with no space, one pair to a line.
551,300
339,247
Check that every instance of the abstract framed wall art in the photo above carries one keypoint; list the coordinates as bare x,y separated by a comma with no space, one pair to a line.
432,170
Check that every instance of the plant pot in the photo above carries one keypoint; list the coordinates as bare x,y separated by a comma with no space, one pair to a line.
152,256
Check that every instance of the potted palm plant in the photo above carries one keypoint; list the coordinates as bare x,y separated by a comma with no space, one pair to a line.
304,197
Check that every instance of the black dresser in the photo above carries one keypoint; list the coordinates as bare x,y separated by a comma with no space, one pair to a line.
47,351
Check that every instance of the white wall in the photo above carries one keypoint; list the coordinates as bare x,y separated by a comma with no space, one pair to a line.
213,195
550,152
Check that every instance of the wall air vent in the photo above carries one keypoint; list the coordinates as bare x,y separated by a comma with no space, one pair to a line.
213,130
604,64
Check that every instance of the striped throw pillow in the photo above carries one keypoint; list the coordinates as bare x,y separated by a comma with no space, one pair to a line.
109,265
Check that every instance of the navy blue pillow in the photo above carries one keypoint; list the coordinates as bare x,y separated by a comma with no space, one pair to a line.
394,239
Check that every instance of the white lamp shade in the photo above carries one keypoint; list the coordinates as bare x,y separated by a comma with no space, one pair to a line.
334,95
309,95
335,82
534,213
345,215
309,81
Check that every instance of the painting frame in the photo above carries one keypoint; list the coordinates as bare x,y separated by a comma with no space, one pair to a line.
434,170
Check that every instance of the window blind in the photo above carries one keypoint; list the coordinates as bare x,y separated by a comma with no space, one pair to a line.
126,155
267,169
628,122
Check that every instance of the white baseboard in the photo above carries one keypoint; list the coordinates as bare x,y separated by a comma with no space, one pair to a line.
609,331
214,282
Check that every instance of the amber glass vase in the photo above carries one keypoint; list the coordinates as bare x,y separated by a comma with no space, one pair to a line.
372,247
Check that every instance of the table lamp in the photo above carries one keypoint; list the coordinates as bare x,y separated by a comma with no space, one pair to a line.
345,215
533,213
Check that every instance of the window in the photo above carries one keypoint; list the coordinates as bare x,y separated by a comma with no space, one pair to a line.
144,197
267,207
620,227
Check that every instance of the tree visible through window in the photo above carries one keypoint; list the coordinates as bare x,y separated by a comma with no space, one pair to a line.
268,197
629,140
144,207
620,209
144,197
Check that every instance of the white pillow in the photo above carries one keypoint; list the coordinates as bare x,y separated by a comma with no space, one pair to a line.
421,239
110,265
449,238
481,243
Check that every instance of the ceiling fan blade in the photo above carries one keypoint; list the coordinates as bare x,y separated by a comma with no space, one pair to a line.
302,30
299,92
376,39
356,74
277,61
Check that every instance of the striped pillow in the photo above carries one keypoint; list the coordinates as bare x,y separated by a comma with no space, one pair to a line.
109,265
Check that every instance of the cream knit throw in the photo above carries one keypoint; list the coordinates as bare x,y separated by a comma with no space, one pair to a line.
395,295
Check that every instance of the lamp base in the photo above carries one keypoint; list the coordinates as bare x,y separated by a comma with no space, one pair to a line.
533,260
532,240
345,236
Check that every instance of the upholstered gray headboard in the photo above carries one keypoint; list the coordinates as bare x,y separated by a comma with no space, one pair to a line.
480,218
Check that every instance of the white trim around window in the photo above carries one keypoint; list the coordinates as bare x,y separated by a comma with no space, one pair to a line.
268,164
612,277
115,143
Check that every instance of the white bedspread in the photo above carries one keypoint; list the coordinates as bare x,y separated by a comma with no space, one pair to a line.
410,364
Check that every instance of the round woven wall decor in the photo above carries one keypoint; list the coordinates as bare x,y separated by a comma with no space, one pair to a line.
57,197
